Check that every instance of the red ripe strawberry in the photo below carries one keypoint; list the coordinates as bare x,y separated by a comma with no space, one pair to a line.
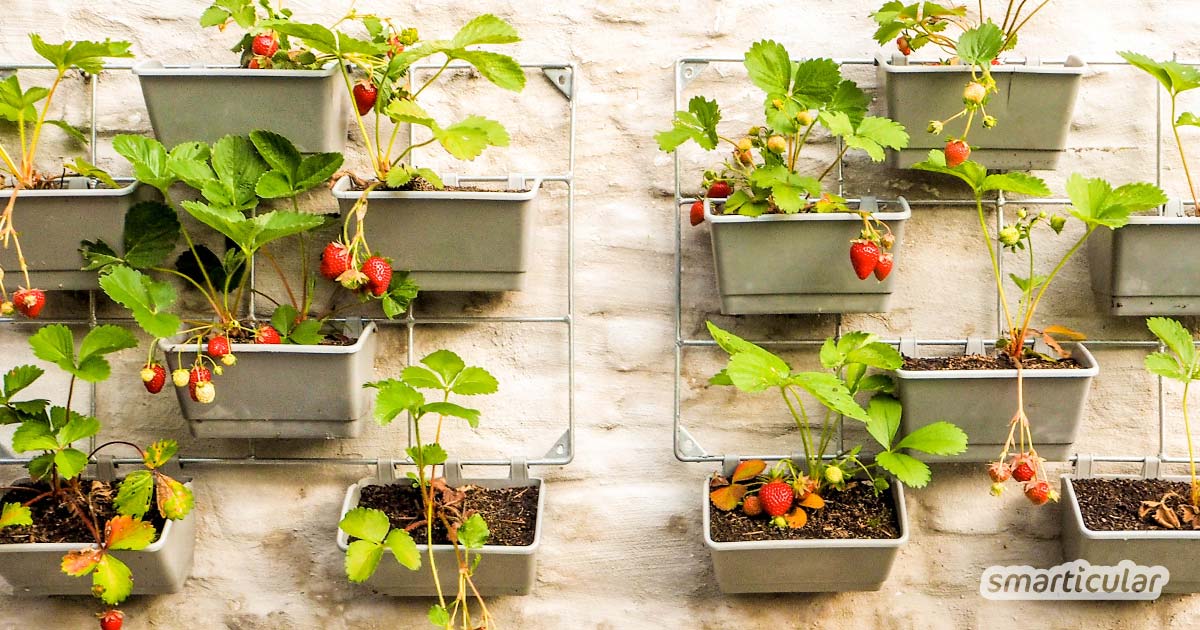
154,376
253,65
864,255
265,44
379,275
112,620
1039,492
218,347
957,152
719,190
884,266
29,302
335,260
752,506
364,97
903,45
197,375
267,334
776,498
999,471
697,213
1022,468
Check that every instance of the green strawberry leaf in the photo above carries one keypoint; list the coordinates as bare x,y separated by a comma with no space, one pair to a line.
698,123
366,523
394,398
472,381
937,438
145,298
15,514
473,533
112,581
175,500
453,410
909,470
134,493
362,558
404,548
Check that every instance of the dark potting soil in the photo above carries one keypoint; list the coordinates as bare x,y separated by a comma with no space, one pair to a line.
1111,505
856,513
987,362
423,185
774,209
54,521
510,513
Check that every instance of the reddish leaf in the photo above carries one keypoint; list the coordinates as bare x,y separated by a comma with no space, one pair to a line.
174,499
727,498
748,470
126,532
81,562
813,500
1065,333
797,518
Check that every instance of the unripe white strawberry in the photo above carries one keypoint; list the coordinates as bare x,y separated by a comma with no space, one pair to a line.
834,475
229,360
205,392
147,374
974,92
180,377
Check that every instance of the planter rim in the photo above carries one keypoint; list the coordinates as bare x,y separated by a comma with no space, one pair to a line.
1124,534
154,68
343,539
811,543
129,185
1154,219
176,344
64,547
904,213
341,190
1090,368
1072,65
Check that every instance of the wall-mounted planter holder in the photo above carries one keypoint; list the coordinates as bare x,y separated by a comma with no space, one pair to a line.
1178,551
502,570
1132,276
804,566
34,569
809,271
450,240
982,402
54,222
205,103
270,392
1033,108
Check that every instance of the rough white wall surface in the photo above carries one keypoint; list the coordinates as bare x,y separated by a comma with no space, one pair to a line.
623,543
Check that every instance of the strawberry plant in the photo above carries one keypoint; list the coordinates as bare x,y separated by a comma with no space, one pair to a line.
52,433
28,110
382,56
1096,204
784,492
978,44
1179,363
1177,78
260,47
800,96
233,177
443,373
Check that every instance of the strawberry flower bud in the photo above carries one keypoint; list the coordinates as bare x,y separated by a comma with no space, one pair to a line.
989,122
997,489
1057,223
935,127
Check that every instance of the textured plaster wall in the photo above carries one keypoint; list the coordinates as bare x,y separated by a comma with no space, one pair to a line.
623,542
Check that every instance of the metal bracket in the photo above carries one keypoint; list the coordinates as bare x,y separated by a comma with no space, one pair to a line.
385,470
1174,209
909,348
452,471
1041,347
516,181
106,469
1152,467
1033,62
1083,466
868,203
975,346
899,59
561,447
561,78
687,445
354,326
729,464
450,180
518,470
6,73
690,70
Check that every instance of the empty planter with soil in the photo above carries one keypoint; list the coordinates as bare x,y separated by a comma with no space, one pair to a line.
977,390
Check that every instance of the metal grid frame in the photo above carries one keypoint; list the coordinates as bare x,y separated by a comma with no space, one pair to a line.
561,76
688,449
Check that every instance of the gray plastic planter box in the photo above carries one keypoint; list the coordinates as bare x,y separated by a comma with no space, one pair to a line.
1033,108
283,391
502,570
809,270
452,241
163,567
52,223
206,103
1131,274
1178,551
982,402
804,566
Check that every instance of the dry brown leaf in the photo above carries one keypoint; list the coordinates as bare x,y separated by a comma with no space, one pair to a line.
1166,517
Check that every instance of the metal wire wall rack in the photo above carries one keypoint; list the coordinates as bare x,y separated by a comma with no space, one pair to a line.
688,449
561,75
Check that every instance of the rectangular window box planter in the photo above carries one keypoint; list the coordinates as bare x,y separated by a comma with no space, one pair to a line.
1132,276
272,391
452,240
1178,550
982,402
52,224
804,566
798,263
1033,107
502,570
34,569
206,103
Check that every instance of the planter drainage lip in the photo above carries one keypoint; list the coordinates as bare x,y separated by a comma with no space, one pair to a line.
1072,65
177,345
129,186
156,68
342,190
810,543
1072,501
903,214
1080,353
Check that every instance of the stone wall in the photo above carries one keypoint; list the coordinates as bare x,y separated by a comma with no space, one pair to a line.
623,542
